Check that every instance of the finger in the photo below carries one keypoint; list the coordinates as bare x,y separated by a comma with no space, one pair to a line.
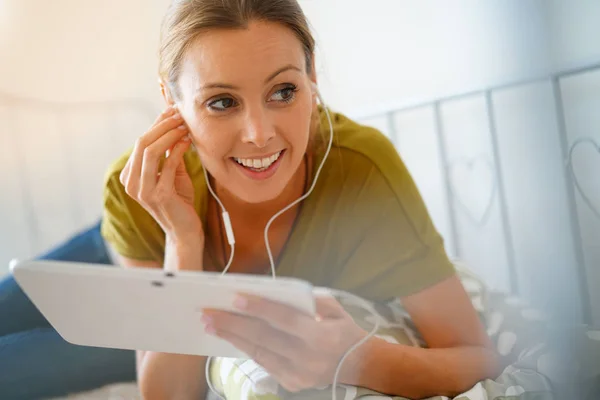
283,317
170,149
165,114
153,155
125,172
174,160
165,125
278,367
137,157
180,170
168,112
257,333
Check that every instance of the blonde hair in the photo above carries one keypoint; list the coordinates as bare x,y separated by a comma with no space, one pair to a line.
187,19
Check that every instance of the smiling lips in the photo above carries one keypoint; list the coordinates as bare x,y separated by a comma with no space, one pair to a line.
259,168
258,164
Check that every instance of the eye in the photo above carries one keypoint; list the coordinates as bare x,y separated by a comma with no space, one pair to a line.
222,104
286,94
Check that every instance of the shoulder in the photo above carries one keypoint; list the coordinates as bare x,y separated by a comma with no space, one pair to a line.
372,183
113,189
385,239
366,154
362,140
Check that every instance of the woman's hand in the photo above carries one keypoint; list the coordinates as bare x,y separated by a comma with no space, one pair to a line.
299,351
167,193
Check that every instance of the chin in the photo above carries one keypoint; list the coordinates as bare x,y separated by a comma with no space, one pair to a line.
260,193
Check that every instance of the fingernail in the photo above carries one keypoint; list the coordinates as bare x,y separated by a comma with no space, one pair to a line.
240,302
182,127
186,138
207,319
177,116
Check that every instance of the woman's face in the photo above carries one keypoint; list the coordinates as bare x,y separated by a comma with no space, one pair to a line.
247,100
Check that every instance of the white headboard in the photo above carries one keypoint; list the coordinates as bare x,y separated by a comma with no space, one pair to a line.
511,176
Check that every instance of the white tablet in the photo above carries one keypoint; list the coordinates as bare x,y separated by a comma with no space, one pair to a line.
145,308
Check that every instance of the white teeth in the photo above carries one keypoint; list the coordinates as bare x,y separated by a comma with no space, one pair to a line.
258,163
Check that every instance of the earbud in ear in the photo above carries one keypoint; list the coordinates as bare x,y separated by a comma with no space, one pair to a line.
314,90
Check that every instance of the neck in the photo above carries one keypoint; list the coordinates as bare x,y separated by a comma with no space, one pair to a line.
261,213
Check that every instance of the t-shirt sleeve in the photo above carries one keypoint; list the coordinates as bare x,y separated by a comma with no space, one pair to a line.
390,246
126,226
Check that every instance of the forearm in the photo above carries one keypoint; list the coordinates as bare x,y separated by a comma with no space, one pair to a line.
172,376
175,376
417,373
184,254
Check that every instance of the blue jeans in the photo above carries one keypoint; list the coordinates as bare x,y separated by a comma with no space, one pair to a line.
35,362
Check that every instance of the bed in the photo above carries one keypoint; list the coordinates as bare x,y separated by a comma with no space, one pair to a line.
541,357
543,361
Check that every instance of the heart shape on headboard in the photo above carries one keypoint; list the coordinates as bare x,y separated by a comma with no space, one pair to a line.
473,186
587,177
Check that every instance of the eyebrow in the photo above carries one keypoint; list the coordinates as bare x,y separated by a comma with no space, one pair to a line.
281,70
232,87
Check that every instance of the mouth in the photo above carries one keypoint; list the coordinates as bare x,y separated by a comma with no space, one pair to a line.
260,168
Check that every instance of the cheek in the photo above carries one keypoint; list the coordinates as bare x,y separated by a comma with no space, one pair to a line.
210,138
298,126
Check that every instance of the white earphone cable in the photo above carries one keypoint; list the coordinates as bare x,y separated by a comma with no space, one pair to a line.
358,302
312,186
226,222
231,239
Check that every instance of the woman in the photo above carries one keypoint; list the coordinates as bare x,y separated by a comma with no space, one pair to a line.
238,77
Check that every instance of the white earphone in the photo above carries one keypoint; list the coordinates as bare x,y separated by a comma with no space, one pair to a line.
353,299
227,220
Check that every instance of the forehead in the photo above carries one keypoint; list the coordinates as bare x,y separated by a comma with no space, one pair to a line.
238,55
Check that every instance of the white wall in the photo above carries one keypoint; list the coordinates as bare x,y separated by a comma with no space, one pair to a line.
388,52
574,30
68,50
90,57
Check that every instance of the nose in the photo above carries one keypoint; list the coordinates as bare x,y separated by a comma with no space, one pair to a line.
258,129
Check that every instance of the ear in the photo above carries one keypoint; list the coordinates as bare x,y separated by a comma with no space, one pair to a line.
164,90
313,82
313,73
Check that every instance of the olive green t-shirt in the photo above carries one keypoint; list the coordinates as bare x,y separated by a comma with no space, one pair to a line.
364,228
